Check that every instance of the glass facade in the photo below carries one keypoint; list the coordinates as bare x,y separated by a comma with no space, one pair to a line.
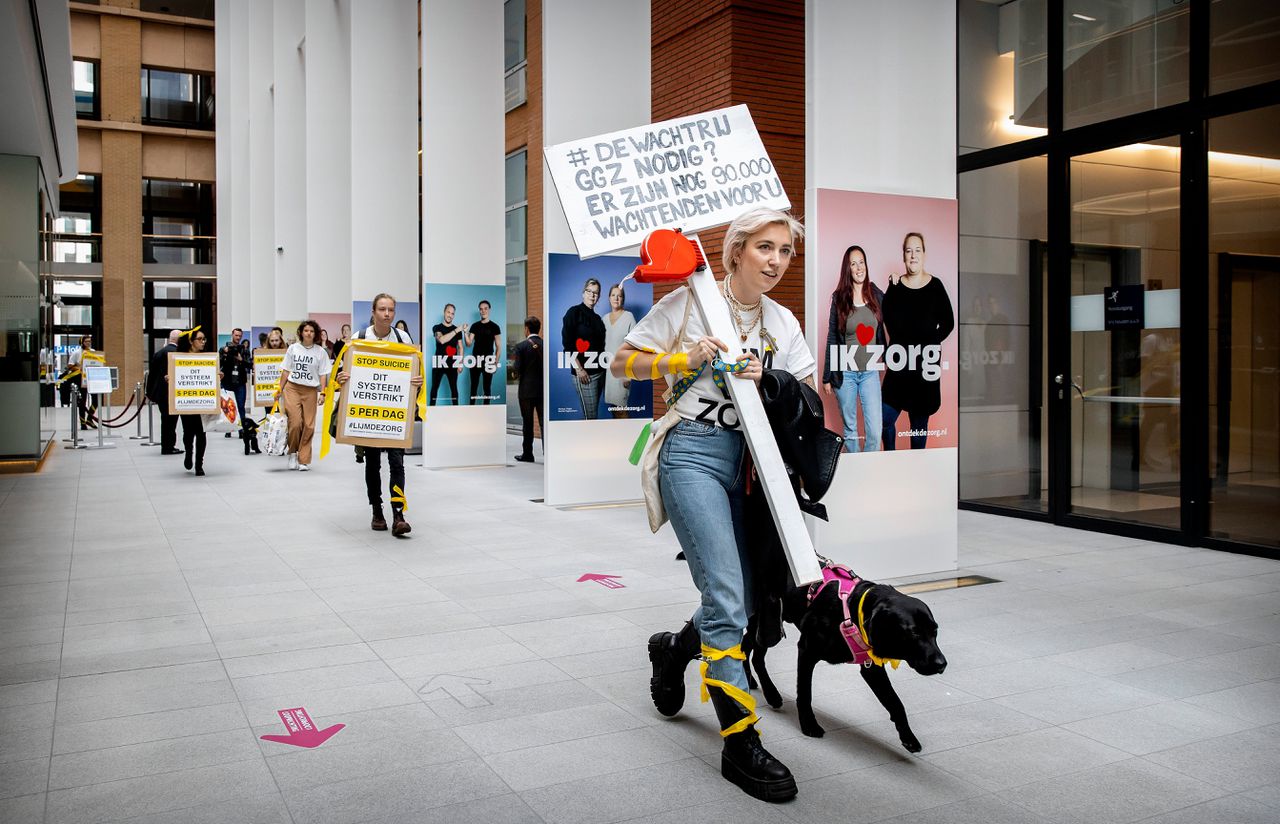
181,99
1119,199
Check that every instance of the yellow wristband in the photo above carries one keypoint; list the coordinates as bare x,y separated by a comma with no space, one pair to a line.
654,371
679,363
627,370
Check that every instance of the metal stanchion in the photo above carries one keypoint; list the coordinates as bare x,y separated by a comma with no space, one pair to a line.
101,426
75,419
151,441
137,396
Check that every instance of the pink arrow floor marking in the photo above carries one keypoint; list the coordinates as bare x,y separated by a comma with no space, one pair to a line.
606,581
302,730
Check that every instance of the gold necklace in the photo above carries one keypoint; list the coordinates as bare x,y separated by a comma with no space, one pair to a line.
745,318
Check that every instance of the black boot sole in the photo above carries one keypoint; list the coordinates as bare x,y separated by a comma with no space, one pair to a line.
772,791
667,702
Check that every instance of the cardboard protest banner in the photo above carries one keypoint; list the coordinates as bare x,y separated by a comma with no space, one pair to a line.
266,375
689,173
378,401
193,383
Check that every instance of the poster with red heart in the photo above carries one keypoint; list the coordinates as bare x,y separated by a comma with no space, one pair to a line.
468,342
887,292
591,311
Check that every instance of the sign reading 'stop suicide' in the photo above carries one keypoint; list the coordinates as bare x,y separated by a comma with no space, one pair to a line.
378,399
266,375
689,173
193,383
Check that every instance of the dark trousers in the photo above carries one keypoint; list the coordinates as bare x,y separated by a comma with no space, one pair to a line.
168,428
86,407
373,474
528,408
889,428
450,375
193,435
478,376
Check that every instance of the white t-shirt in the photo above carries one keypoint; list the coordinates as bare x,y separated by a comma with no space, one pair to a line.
705,401
306,365
395,334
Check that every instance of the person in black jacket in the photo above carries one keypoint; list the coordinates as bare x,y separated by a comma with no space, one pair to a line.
917,312
234,372
194,438
528,366
855,322
158,392
582,336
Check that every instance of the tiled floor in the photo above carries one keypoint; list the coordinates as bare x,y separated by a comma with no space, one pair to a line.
152,624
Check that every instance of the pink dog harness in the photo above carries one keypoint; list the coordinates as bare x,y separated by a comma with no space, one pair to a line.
856,637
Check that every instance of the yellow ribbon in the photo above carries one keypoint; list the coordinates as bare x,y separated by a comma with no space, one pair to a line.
736,693
89,354
395,348
190,331
866,639
399,498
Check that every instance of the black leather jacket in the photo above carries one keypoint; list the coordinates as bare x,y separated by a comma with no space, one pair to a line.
811,453
835,337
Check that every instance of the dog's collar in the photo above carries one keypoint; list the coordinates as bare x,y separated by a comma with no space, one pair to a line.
855,634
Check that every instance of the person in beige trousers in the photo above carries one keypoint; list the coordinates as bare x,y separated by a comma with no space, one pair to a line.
303,373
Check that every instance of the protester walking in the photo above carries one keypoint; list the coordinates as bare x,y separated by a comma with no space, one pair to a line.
303,372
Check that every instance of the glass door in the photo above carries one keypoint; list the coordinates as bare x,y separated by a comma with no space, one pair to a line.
1124,374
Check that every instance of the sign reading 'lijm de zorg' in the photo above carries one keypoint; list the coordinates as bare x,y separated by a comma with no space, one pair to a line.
690,173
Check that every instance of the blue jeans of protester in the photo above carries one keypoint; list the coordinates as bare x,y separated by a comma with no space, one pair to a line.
702,476
864,387
890,433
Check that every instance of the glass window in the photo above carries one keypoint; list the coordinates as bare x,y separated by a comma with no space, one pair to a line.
1126,334
1003,249
1245,43
177,222
1244,339
1121,58
85,78
516,65
517,178
177,99
1002,65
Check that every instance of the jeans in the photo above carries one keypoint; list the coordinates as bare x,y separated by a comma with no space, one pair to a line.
890,431
864,387
702,476
373,474
479,378
438,376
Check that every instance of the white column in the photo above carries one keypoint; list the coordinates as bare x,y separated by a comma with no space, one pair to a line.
232,155
589,89
261,177
881,117
384,146
290,152
463,198
328,161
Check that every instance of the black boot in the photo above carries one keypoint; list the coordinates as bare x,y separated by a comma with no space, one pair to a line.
670,653
246,444
200,446
745,761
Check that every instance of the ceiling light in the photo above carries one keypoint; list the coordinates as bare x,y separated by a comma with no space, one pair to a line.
1086,18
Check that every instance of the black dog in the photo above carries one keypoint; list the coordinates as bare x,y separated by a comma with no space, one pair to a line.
249,434
897,626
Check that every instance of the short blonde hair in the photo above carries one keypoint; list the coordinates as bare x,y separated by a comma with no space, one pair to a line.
748,223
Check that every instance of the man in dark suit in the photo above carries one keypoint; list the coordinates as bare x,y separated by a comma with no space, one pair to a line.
528,365
158,392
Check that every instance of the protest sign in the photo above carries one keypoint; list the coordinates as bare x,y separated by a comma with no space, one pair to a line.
266,375
193,383
689,173
378,400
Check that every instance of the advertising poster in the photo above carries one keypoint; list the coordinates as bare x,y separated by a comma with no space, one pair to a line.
408,318
331,326
193,383
894,356
266,376
589,315
378,401
466,344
